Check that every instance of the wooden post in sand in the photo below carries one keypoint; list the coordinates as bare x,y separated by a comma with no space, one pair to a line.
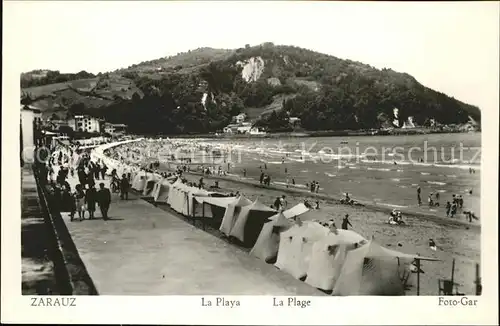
452,272
478,281
203,214
418,276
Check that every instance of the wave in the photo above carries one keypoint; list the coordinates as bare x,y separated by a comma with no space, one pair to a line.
290,184
392,205
379,169
424,173
396,179
436,183
330,175
439,165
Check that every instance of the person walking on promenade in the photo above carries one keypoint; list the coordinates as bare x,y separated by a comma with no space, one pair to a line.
104,200
97,170
345,222
80,201
91,200
124,187
103,168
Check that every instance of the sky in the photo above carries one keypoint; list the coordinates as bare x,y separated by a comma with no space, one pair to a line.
452,47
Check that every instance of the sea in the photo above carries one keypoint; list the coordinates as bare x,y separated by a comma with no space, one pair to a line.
384,170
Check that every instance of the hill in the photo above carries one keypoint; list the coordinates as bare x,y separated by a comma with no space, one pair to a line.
75,96
199,91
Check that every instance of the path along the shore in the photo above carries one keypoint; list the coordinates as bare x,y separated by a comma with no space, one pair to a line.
38,276
143,250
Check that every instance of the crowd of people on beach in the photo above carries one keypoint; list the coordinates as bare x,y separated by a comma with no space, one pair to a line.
184,162
452,208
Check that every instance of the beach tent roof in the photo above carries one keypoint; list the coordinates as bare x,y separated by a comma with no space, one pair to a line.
295,211
376,250
258,206
216,201
241,201
280,220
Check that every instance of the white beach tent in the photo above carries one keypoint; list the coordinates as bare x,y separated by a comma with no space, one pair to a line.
139,180
197,210
222,202
295,247
267,244
250,221
328,255
232,211
373,270
177,198
161,189
151,180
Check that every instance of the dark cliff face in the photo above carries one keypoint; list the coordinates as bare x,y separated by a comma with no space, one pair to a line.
200,90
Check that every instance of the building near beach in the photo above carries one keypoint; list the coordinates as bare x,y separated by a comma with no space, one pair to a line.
231,129
294,121
87,124
240,118
244,127
30,120
115,128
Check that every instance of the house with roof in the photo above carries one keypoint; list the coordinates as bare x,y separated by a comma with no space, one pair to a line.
240,118
115,128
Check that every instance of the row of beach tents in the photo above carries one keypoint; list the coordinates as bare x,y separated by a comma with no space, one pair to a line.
340,262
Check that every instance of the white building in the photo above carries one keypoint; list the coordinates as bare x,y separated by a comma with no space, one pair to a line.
87,123
294,121
29,115
256,131
240,118
244,128
115,128
231,129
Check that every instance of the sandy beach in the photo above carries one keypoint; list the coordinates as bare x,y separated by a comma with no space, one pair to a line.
456,238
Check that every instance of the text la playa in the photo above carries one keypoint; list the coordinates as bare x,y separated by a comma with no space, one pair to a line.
219,302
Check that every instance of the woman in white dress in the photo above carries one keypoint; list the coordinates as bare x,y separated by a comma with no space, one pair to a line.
80,202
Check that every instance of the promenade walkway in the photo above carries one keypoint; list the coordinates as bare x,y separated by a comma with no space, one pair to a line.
37,268
144,250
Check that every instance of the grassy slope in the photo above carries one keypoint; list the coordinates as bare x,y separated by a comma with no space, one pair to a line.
93,93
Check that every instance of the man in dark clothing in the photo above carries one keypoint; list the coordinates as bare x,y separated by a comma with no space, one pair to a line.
419,199
97,170
103,170
104,200
91,200
124,186
345,222
277,203
261,179
82,176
